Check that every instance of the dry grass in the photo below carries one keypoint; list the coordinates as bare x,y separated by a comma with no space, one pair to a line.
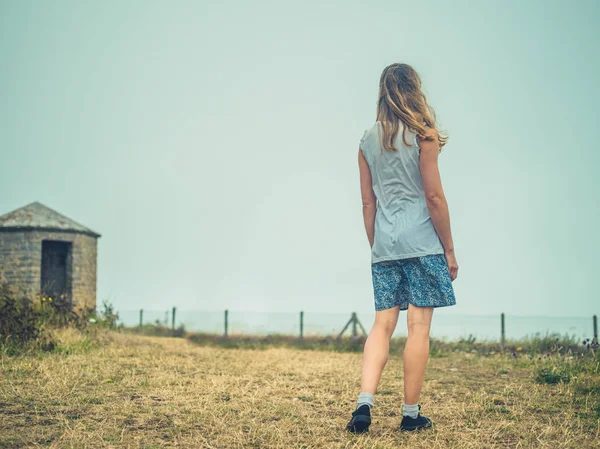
151,392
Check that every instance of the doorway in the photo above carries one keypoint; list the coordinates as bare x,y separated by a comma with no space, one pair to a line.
56,269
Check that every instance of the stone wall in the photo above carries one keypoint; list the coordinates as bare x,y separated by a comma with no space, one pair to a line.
21,261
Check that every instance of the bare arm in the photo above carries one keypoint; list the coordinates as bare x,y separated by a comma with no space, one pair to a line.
369,201
436,200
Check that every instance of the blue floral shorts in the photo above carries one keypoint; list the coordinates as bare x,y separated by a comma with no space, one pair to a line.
422,281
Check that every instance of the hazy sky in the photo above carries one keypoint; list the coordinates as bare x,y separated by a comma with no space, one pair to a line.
214,144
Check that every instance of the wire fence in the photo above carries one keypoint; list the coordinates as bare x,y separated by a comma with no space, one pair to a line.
301,324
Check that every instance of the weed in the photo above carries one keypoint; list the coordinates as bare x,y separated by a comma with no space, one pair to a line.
552,375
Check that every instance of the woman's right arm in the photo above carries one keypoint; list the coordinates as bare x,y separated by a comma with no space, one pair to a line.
434,195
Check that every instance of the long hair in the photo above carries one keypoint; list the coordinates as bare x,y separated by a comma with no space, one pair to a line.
402,100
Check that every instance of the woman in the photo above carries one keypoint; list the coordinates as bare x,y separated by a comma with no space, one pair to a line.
408,227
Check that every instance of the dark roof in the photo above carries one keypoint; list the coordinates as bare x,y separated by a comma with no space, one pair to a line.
37,216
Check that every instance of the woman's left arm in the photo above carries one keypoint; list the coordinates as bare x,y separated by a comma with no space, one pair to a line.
369,201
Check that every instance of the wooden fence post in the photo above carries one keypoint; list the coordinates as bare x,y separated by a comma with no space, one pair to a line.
173,317
502,333
226,321
595,320
355,322
141,318
301,325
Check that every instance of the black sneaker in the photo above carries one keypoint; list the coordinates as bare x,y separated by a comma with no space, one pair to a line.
361,420
409,424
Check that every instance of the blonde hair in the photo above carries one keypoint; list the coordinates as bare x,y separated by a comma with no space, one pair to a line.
402,100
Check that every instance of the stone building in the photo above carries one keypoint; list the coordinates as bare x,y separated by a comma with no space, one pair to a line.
44,252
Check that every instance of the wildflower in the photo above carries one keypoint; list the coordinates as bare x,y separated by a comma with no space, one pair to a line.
50,299
519,348
514,354
108,380
43,299
92,320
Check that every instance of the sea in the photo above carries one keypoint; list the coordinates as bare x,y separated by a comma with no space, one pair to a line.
449,327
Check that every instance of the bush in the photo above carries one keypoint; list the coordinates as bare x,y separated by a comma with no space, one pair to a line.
157,329
21,323
25,322
107,317
552,375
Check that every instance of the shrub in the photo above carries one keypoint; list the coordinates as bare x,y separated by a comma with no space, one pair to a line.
552,375
158,329
107,317
25,322
21,323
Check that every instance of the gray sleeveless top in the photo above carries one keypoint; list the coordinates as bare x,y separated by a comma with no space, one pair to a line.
403,226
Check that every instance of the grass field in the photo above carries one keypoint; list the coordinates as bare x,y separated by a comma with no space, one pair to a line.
124,390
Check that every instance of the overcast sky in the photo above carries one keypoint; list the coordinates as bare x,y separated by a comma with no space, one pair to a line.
214,144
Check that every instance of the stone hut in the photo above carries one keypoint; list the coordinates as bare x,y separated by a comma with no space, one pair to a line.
44,252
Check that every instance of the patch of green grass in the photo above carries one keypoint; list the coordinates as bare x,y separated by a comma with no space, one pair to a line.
9,443
530,347
550,342
77,347
91,400
552,375
588,389
385,392
156,329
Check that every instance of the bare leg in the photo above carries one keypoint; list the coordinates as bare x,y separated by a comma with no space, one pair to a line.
376,350
416,351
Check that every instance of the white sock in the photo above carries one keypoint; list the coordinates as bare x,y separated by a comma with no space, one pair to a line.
365,398
410,410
